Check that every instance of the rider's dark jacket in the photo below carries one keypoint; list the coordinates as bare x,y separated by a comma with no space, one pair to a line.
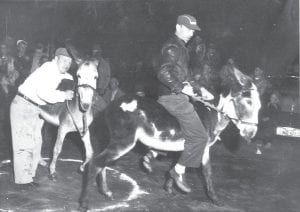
173,68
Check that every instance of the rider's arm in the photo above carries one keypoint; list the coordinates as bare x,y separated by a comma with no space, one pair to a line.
199,88
166,72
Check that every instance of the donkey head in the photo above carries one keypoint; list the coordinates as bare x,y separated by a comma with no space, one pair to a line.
87,76
242,103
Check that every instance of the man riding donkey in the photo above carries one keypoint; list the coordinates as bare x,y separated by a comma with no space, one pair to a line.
175,88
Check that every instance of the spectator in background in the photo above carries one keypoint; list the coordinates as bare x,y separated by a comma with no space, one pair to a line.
231,61
139,90
23,61
197,51
37,55
113,92
267,122
104,70
8,73
139,76
212,56
263,85
206,78
43,59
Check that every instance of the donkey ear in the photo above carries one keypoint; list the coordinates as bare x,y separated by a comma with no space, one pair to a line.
240,77
75,54
95,61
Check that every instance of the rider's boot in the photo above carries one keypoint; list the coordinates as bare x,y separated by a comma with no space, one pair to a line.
180,181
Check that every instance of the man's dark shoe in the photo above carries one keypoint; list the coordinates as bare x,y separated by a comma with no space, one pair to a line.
180,181
27,186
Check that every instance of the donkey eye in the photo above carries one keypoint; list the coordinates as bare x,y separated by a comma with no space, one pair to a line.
246,94
249,102
78,76
95,77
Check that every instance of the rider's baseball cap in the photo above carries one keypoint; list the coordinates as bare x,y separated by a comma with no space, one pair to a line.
63,52
188,21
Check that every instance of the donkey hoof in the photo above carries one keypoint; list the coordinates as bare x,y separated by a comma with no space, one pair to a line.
215,200
108,195
169,190
81,168
53,177
147,166
169,186
83,208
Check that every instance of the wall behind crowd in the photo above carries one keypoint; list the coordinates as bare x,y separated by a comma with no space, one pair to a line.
133,30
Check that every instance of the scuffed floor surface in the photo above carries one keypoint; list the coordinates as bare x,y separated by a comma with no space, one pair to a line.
243,180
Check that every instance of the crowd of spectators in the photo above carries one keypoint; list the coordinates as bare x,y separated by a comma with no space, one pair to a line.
19,60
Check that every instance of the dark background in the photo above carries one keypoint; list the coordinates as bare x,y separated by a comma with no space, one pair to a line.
262,33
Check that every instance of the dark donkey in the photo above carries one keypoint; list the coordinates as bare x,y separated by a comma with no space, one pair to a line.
76,114
130,119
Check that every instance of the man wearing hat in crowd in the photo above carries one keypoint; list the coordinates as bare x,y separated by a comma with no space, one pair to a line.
22,61
174,91
39,88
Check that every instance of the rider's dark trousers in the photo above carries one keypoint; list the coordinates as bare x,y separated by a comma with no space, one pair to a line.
194,132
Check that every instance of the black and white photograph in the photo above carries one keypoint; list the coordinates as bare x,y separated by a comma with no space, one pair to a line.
149,106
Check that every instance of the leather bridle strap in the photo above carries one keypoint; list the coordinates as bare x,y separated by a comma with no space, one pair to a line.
86,86
207,104
84,130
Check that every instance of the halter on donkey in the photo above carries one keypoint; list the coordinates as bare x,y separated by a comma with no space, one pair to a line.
75,114
133,118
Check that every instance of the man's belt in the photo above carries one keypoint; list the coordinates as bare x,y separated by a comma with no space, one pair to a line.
28,100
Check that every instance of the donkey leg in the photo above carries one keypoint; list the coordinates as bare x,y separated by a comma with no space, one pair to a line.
116,149
88,149
56,151
89,175
169,185
102,183
207,174
146,160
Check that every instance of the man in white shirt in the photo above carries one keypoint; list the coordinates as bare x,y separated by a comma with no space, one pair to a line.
40,88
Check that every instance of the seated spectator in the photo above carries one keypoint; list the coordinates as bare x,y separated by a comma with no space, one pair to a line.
113,92
267,122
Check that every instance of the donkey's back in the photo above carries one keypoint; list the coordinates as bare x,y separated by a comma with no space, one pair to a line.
130,113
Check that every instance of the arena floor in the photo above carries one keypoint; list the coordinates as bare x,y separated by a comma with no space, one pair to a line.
244,181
